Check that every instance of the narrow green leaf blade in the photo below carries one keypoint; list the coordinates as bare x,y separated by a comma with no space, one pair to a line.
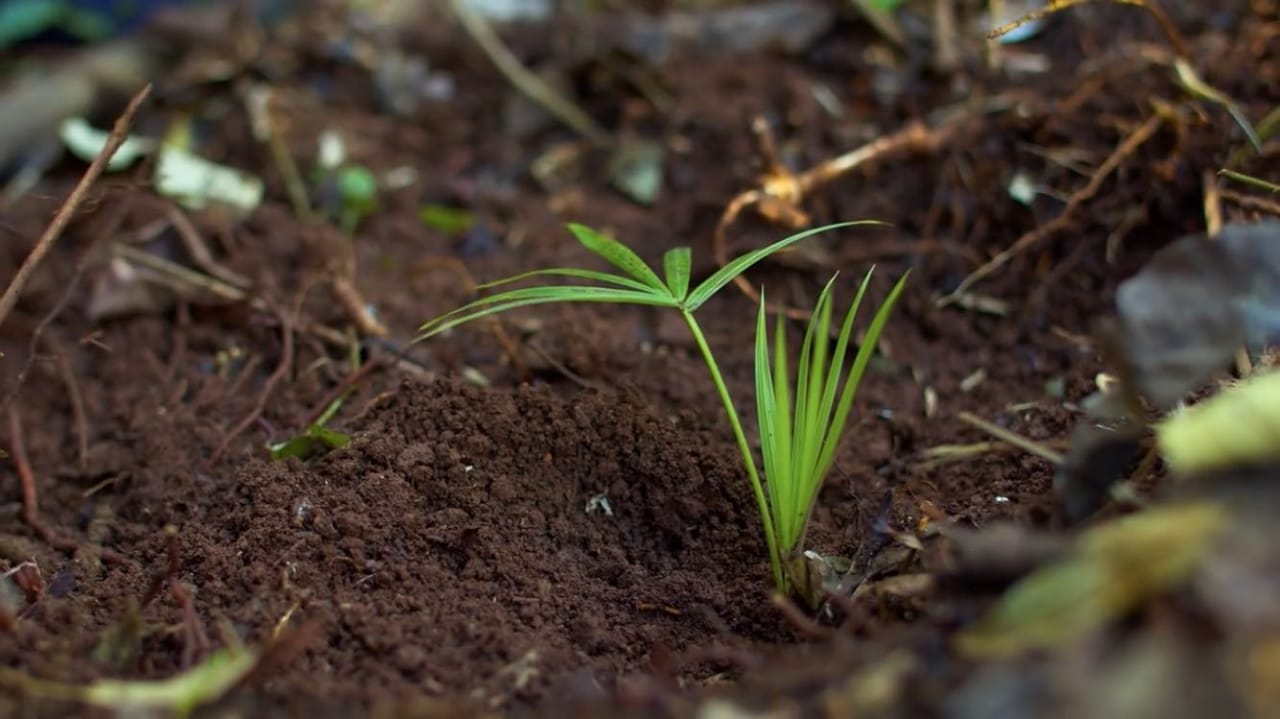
842,344
514,299
811,418
618,255
676,264
859,367
573,273
737,266
766,411
783,483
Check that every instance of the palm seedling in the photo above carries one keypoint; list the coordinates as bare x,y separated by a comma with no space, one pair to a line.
798,440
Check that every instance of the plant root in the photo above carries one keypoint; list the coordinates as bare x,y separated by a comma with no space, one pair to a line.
781,193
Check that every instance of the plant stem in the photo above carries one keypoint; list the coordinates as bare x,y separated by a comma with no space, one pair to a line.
775,560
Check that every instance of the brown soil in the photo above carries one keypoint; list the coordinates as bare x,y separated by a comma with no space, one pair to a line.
455,555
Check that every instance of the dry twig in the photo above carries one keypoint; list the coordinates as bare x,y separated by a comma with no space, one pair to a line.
782,193
525,81
1251,202
185,280
1144,132
1017,440
68,208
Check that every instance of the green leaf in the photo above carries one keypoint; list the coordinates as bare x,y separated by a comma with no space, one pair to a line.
810,420
179,695
741,264
1239,426
1115,568
514,299
359,189
676,264
574,273
445,219
773,407
317,438
618,255
863,357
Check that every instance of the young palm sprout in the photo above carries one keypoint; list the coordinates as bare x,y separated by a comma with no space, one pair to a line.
799,443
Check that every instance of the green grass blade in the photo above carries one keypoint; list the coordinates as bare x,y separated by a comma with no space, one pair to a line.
618,255
741,264
842,346
513,299
676,265
800,417
811,419
571,272
859,367
781,485
766,411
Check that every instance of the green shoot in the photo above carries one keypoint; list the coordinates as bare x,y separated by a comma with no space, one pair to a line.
639,284
799,440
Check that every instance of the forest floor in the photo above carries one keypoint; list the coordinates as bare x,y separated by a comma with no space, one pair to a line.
548,515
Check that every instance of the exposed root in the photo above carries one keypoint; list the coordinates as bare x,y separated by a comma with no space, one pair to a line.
782,193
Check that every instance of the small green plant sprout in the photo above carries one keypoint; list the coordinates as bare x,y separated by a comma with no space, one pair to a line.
794,468
799,437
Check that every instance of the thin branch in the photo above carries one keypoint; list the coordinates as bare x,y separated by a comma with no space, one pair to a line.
68,209
1017,440
1130,145
524,80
